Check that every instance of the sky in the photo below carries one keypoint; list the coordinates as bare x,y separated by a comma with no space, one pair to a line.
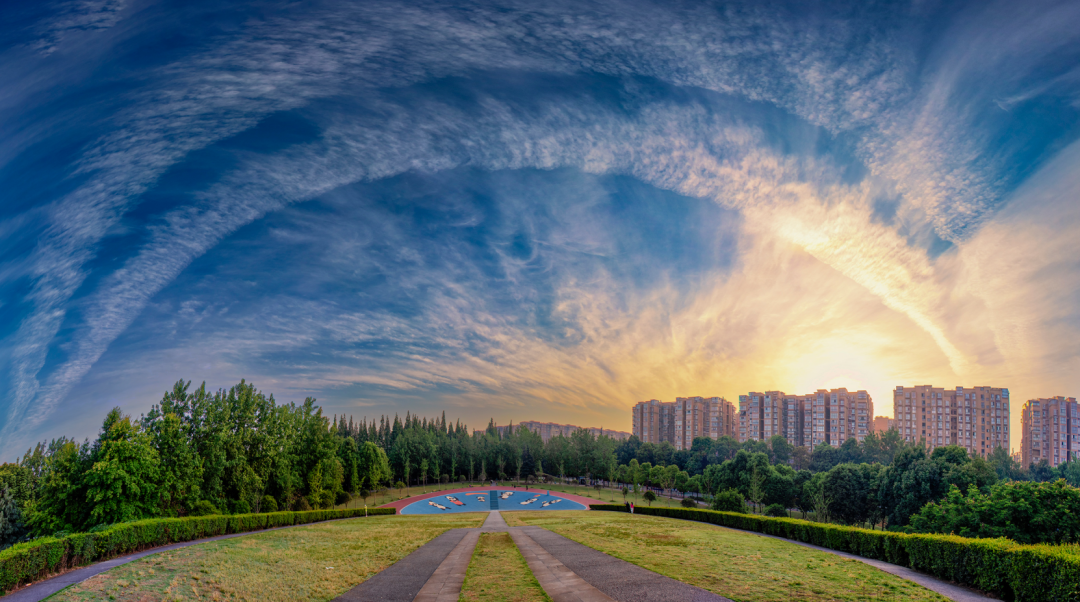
532,210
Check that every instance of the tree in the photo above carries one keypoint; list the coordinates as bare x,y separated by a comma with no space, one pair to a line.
780,450
373,466
756,491
649,496
824,457
800,458
634,472
528,465
729,500
12,527
668,476
849,487
181,470
62,503
820,500
1026,512
122,483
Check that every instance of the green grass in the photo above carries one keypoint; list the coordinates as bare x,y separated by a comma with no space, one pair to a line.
317,562
498,573
741,566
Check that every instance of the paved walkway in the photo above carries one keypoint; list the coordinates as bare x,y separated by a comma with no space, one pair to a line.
494,522
615,578
559,582
445,583
403,580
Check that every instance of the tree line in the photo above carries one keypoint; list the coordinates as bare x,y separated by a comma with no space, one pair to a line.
238,450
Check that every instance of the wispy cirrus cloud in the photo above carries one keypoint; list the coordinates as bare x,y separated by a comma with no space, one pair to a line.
811,121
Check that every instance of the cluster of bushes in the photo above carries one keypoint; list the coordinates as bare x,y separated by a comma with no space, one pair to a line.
1022,511
26,562
1001,567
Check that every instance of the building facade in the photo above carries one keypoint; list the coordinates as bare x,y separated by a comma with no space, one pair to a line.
827,416
975,418
1050,430
883,423
679,422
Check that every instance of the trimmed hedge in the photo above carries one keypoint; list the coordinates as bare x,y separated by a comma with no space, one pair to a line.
1002,567
27,562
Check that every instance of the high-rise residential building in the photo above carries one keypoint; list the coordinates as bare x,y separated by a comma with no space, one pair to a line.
762,415
839,415
680,421
975,418
883,423
830,416
1050,431
653,421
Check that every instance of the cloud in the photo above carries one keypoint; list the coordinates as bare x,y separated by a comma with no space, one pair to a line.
801,105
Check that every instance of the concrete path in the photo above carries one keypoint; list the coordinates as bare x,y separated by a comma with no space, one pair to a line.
403,580
559,582
43,589
444,585
494,523
615,579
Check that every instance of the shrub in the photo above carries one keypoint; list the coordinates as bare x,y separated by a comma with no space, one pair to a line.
342,498
729,500
445,478
1019,510
203,508
1009,570
268,504
461,478
776,510
302,505
241,507
688,502
25,562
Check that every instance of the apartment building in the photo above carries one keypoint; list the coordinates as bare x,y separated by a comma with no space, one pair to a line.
1050,430
762,415
838,415
653,421
680,421
830,416
975,418
883,423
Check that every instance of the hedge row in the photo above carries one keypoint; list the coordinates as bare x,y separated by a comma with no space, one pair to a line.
33,560
999,566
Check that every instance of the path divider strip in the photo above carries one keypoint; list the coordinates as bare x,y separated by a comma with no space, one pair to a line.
559,582
445,583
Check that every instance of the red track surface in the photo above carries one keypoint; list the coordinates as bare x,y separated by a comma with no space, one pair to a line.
586,501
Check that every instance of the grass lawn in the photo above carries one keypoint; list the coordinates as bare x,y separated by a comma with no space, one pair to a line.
498,573
741,566
316,562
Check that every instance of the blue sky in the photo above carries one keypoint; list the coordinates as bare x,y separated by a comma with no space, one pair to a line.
532,212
